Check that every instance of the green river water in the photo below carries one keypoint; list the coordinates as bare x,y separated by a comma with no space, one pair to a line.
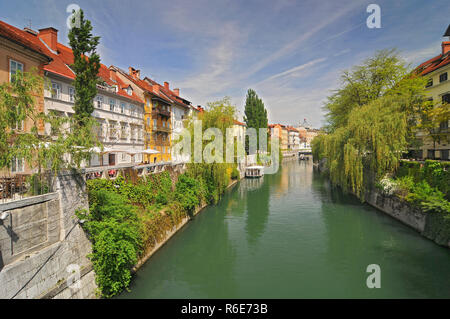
291,235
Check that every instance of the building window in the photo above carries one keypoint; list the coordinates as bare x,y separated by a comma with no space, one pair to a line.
122,107
56,90
446,98
148,121
99,101
429,83
445,154
443,77
112,105
17,165
14,66
100,129
123,133
154,123
112,129
71,94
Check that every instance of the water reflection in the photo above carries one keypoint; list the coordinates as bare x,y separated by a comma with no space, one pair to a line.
292,235
257,209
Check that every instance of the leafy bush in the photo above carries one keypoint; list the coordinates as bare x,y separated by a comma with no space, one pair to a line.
188,193
235,174
387,186
435,173
422,194
114,228
128,217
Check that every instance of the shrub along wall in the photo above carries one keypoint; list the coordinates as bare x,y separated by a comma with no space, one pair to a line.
435,173
129,215
427,185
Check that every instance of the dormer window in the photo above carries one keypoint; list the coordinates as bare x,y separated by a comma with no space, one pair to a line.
129,90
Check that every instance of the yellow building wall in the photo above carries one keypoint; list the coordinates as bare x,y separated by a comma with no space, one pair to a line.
156,142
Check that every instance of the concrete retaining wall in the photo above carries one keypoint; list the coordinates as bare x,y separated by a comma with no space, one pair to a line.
42,245
400,210
429,224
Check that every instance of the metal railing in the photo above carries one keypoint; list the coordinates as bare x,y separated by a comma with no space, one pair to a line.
157,111
112,172
18,186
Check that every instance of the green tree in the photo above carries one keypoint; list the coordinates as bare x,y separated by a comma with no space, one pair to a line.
86,66
255,113
363,84
22,125
371,121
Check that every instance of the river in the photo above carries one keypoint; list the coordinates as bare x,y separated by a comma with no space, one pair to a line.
291,235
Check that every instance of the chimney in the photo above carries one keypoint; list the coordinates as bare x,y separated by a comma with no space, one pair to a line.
112,74
50,37
177,92
134,73
166,85
155,89
445,47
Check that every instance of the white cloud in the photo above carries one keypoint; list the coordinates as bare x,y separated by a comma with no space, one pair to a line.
295,71
421,55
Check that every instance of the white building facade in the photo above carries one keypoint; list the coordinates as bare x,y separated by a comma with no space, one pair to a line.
120,119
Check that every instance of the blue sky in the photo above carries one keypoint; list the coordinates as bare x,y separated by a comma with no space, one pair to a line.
290,52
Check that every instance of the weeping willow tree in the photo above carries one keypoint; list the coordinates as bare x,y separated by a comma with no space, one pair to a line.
44,140
371,121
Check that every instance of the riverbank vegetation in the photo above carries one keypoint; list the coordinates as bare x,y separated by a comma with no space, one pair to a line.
129,215
372,119
424,185
369,121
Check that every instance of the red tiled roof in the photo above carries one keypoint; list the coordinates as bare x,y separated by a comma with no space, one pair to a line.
23,38
434,64
239,123
273,125
64,58
144,85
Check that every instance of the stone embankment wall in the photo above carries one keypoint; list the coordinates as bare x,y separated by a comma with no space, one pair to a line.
429,224
43,248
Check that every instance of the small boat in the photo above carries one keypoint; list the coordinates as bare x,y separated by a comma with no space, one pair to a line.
254,171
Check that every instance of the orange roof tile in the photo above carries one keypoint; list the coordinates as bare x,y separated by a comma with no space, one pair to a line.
433,64
23,38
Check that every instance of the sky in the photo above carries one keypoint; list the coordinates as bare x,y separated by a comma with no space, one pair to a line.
291,52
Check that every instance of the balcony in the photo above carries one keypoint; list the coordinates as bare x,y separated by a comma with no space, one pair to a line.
161,112
161,143
160,128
